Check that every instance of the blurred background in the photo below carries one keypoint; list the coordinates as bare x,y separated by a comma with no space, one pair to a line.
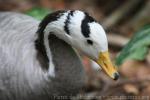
127,24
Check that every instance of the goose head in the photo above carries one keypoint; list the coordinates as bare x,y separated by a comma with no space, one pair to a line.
83,33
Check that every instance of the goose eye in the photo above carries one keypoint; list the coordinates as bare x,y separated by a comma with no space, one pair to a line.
90,42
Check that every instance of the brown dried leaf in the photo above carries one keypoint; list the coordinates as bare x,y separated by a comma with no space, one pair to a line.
130,88
129,68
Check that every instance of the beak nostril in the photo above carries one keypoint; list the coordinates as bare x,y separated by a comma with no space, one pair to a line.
105,65
116,76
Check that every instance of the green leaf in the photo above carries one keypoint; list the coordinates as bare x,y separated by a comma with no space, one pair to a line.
137,48
38,12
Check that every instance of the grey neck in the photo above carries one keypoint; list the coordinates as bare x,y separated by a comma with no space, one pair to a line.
67,63
68,67
64,57
69,71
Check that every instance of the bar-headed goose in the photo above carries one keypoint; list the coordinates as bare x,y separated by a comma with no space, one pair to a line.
38,60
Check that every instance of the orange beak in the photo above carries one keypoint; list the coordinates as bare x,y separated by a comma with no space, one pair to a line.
107,66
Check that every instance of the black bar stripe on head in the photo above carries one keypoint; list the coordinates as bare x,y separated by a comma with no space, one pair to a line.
39,43
66,27
84,26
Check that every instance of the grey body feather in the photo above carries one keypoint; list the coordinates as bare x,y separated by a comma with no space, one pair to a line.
21,74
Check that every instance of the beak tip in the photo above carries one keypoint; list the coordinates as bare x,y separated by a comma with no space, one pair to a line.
116,76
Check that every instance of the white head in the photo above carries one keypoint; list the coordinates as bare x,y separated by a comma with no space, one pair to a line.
81,31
